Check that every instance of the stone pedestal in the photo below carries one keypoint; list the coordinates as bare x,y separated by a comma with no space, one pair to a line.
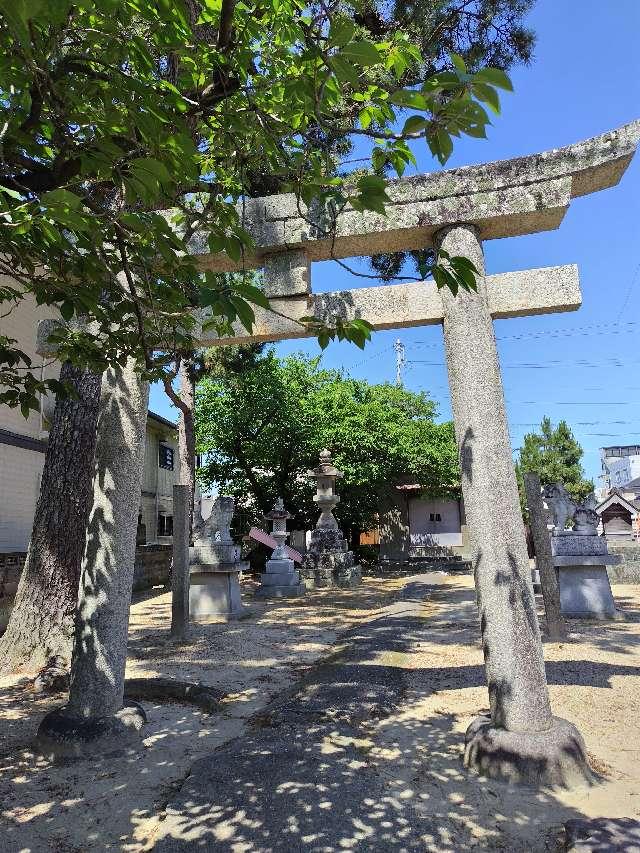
280,579
214,566
216,592
328,562
581,562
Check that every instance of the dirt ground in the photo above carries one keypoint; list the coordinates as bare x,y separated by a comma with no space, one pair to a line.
594,681
110,803
117,803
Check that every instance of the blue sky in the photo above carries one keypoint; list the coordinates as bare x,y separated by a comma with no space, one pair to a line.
584,80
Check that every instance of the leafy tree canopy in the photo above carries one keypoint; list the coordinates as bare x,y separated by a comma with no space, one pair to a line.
113,111
261,429
555,455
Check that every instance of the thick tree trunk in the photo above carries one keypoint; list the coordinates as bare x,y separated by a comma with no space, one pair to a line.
42,619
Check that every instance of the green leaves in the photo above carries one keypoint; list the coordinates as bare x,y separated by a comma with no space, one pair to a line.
372,194
356,331
287,410
455,272
115,112
361,53
494,77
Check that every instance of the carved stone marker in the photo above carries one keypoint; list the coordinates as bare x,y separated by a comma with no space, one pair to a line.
180,572
581,558
214,565
280,579
328,562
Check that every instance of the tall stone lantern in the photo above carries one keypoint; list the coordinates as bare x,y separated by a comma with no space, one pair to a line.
327,561
326,498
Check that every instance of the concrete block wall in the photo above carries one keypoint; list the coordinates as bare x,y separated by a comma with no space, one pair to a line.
628,570
151,569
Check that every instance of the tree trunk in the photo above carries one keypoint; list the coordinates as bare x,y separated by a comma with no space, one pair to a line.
556,628
42,619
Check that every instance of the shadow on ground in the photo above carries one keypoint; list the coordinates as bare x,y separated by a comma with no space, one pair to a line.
361,756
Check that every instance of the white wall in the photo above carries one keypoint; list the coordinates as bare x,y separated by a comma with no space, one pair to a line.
423,531
20,472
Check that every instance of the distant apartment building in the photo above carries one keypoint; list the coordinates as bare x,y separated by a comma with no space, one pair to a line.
620,465
619,495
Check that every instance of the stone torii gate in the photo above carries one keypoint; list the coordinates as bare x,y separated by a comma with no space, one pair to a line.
456,210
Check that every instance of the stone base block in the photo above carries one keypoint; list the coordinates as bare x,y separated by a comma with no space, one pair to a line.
553,759
281,591
215,594
64,735
585,592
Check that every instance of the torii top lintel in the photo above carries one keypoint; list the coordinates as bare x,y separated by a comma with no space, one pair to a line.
505,198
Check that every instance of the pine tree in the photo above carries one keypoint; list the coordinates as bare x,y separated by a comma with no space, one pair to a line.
554,454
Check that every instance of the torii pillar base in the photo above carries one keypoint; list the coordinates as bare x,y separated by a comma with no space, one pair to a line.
63,735
556,758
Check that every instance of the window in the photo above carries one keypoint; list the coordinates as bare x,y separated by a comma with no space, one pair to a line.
165,525
165,457
199,460
435,516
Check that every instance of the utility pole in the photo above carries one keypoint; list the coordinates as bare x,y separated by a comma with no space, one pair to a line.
400,361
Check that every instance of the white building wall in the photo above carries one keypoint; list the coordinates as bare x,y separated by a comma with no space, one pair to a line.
427,531
20,473
20,467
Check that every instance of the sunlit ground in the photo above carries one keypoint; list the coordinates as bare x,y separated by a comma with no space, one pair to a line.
413,751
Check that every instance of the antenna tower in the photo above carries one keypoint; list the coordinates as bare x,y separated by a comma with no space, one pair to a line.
400,361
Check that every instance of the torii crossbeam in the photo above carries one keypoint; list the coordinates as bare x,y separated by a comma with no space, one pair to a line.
503,199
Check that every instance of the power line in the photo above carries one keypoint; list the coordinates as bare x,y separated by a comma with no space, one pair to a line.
568,332
551,364
629,291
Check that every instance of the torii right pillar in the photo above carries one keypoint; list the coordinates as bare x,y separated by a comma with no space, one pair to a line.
520,740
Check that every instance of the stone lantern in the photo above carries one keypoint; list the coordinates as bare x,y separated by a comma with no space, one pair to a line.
327,561
326,498
280,579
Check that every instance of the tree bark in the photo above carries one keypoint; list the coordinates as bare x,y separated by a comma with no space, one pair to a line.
42,619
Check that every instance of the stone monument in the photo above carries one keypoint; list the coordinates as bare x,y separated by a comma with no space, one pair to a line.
581,558
214,565
328,562
280,579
